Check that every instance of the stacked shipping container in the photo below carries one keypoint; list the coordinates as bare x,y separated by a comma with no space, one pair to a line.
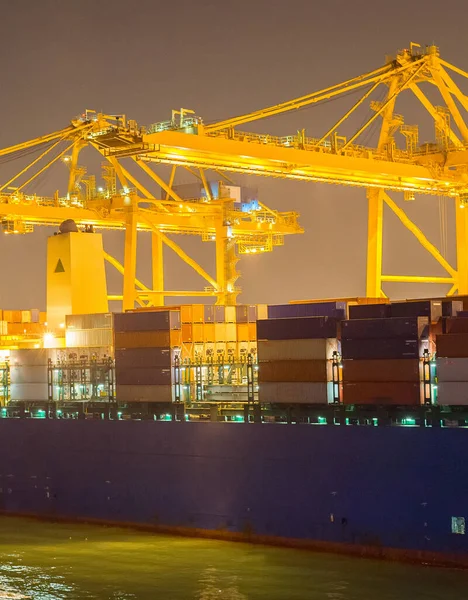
381,352
89,331
29,374
452,363
295,354
210,330
145,345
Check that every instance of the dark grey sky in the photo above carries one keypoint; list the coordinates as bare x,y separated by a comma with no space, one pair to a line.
220,58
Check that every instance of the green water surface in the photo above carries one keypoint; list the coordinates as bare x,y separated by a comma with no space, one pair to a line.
48,561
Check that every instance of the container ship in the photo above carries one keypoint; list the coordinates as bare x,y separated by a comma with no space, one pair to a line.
335,425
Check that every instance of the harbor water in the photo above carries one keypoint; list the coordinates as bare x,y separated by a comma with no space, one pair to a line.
47,561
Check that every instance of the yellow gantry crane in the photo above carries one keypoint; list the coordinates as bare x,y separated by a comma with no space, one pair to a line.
397,163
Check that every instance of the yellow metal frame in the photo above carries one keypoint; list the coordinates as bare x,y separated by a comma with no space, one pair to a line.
432,169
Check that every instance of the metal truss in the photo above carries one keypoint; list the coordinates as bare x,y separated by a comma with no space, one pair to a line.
397,162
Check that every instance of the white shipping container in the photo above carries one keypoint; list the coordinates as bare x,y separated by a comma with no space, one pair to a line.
230,314
262,311
452,393
83,338
32,356
296,349
452,369
295,393
35,313
29,392
3,327
25,316
144,393
28,374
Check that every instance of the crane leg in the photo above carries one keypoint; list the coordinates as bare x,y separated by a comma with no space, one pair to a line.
462,247
226,273
374,244
130,255
158,268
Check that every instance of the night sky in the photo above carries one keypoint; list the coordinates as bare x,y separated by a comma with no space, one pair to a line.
222,58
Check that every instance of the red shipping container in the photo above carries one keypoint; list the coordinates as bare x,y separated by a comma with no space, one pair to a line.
456,325
404,369
295,370
452,345
382,393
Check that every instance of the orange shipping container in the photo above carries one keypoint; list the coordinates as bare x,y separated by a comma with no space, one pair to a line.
17,328
220,332
147,339
16,316
186,313
197,332
243,332
209,332
198,313
8,316
42,317
295,370
252,332
187,334
176,338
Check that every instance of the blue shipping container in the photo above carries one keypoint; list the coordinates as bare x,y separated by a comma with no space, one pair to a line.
143,376
142,357
369,311
209,313
147,321
421,308
297,329
242,313
380,348
319,309
220,314
398,327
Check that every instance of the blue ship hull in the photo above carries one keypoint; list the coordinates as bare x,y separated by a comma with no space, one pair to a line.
385,491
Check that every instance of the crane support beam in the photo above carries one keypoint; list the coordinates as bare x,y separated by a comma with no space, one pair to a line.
115,263
130,256
360,169
418,234
396,89
416,279
174,293
432,111
447,96
31,164
374,243
167,188
157,265
184,256
461,233
381,75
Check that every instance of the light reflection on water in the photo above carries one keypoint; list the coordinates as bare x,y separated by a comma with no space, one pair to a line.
49,561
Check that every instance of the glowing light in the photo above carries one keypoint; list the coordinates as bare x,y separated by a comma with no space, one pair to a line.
62,325
49,340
